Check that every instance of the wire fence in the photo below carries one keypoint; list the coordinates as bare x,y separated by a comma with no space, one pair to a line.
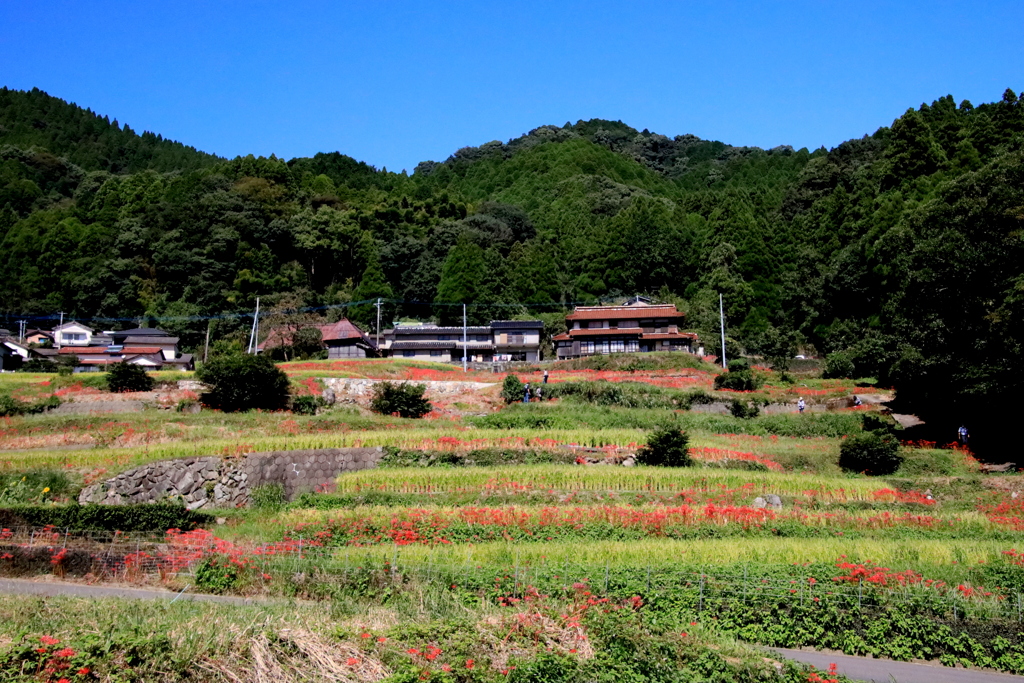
142,556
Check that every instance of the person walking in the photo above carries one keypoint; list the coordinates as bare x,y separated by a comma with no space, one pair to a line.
526,393
540,399
962,435
545,377
800,405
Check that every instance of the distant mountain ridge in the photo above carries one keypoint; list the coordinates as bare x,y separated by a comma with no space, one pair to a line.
94,143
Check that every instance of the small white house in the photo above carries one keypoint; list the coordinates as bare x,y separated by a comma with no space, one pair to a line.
72,334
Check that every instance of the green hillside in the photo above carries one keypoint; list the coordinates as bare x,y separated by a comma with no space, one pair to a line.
899,253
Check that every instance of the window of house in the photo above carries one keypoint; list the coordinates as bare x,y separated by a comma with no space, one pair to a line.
435,352
596,324
587,347
602,347
444,337
516,339
72,336
632,345
616,346
409,354
483,338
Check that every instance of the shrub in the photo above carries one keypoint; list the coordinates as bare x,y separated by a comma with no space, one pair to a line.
694,398
739,378
154,517
872,453
512,389
744,409
10,406
404,399
267,497
217,575
307,405
838,365
125,376
244,382
667,447
38,365
873,422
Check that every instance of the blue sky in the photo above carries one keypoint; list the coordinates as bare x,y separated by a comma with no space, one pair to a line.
393,83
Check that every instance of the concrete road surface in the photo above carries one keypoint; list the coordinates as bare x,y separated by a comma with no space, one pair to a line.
888,671
29,587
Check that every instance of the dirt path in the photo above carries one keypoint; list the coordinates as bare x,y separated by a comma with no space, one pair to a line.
889,671
51,588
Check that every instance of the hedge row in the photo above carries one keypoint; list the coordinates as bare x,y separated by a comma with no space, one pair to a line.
158,517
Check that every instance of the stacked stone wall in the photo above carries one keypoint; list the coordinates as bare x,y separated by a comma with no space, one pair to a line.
212,482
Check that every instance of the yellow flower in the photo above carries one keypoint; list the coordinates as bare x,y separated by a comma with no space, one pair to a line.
46,490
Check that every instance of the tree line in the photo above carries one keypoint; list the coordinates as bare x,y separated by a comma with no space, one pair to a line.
900,250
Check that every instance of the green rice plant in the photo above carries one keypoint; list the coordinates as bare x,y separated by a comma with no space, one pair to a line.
576,478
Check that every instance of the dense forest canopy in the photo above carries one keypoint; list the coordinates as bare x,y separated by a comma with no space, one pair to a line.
901,249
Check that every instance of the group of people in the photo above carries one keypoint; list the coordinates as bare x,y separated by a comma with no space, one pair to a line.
537,393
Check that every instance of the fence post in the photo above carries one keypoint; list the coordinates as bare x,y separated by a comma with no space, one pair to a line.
649,581
860,594
1018,607
745,584
700,601
606,578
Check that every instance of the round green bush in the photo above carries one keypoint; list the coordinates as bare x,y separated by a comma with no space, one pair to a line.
244,382
874,453
667,447
838,365
512,389
123,377
404,400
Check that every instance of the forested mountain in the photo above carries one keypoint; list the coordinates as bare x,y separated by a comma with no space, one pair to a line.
901,249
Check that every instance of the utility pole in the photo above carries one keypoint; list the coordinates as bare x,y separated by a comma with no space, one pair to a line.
206,348
58,328
255,328
21,327
465,349
378,324
721,319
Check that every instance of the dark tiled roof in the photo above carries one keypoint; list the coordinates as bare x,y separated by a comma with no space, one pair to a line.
517,324
608,332
82,350
670,335
412,345
624,312
149,341
440,330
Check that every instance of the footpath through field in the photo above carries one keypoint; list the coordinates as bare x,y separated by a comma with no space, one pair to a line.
52,588
889,671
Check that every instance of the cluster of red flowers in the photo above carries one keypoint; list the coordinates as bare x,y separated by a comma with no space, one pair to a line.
894,496
868,572
714,454
54,664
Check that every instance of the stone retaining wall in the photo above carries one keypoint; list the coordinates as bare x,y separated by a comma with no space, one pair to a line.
350,390
213,482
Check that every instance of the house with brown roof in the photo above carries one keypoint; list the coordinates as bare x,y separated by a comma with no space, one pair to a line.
635,327
342,339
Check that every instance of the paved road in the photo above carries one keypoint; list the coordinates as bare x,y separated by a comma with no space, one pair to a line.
29,587
888,671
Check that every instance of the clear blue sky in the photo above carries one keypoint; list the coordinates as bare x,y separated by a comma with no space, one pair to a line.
393,83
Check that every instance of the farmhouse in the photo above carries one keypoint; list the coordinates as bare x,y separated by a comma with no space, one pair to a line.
501,340
342,339
636,327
